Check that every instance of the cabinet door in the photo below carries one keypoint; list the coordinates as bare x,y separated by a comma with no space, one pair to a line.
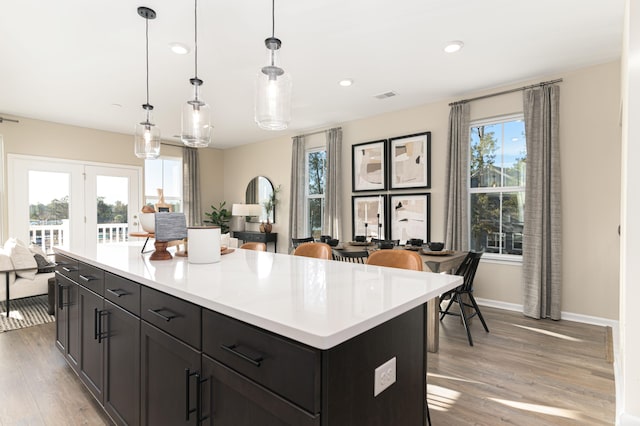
168,389
122,366
72,305
91,342
231,399
62,319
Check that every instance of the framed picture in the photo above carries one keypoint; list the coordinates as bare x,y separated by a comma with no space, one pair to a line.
410,161
368,166
368,215
410,217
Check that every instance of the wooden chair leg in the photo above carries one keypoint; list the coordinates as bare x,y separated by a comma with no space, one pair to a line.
475,306
463,315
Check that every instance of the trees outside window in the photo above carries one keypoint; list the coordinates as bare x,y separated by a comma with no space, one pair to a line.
163,173
316,168
497,176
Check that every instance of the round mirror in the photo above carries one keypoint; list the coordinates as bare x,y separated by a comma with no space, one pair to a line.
260,190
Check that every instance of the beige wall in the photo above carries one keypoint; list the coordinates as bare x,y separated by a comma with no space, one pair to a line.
47,139
590,155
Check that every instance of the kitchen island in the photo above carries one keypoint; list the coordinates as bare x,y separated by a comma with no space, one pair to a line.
256,339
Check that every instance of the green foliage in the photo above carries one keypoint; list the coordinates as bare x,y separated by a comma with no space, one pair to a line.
219,216
317,168
271,203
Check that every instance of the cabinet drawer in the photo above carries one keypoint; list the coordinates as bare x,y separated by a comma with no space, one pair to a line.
258,238
91,278
67,266
122,292
287,368
175,316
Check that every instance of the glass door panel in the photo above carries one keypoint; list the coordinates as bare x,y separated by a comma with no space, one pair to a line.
49,194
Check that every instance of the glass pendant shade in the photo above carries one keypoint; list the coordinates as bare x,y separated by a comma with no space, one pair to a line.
147,138
273,92
196,122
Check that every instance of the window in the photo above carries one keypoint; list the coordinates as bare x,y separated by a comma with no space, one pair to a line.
163,173
316,167
497,176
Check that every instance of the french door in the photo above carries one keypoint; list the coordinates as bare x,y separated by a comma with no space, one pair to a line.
71,204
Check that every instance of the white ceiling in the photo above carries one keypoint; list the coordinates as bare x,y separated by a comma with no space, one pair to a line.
70,61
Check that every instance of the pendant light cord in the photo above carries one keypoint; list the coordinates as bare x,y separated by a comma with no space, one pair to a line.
273,18
147,53
196,36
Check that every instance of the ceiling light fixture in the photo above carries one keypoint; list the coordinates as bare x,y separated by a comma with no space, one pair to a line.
196,114
179,48
147,134
346,82
453,46
273,87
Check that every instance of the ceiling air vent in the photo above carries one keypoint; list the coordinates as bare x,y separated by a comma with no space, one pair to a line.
385,95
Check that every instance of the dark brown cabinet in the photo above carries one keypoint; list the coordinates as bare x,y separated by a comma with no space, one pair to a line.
170,379
91,338
68,320
122,365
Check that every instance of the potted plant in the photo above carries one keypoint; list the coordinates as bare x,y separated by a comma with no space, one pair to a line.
219,216
270,206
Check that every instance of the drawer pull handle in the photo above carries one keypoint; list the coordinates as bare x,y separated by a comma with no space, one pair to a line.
117,292
69,269
164,317
232,348
87,279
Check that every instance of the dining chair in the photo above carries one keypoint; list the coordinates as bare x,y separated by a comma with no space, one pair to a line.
404,259
467,270
295,242
254,246
316,250
355,256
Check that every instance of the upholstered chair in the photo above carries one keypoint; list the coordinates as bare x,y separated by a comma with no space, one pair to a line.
404,259
317,250
254,246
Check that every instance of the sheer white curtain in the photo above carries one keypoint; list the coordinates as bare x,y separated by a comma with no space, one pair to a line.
457,194
296,201
191,186
333,184
541,262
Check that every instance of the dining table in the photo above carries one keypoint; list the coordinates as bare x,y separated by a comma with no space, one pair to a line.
444,261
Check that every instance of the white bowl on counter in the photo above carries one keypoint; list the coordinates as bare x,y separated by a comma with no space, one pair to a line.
148,222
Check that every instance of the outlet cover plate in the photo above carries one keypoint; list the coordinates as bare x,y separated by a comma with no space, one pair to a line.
384,376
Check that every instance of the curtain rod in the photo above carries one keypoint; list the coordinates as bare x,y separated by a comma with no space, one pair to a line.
318,132
544,83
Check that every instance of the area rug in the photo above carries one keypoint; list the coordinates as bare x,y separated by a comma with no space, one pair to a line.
26,312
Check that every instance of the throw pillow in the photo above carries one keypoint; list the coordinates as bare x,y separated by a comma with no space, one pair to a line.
37,249
44,265
21,258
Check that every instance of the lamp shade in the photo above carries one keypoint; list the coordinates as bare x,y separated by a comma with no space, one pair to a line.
196,122
147,138
246,210
273,94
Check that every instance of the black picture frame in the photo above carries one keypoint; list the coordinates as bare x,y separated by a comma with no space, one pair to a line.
369,166
410,217
409,160
364,210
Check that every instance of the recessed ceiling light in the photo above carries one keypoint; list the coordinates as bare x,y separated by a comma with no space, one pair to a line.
453,46
179,48
116,105
346,82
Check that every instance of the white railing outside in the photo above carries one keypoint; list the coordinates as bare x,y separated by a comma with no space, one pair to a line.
47,236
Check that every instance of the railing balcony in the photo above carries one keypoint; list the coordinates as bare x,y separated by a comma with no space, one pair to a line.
48,236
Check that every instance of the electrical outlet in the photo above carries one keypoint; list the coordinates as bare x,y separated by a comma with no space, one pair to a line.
384,376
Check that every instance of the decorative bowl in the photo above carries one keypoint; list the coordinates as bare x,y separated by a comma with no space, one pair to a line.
148,222
360,239
435,246
415,242
333,242
387,244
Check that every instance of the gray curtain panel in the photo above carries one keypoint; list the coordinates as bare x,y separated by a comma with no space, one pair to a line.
457,175
296,201
333,184
541,261
191,186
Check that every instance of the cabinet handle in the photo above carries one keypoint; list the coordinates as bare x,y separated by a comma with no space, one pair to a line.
199,397
102,334
187,377
232,348
164,317
69,269
117,292
61,289
95,323
87,279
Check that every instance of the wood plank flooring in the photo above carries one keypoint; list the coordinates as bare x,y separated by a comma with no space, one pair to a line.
524,372
37,387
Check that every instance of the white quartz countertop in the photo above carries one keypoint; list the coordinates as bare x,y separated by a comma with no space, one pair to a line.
321,303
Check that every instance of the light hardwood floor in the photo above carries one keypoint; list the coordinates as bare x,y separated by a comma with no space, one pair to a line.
524,372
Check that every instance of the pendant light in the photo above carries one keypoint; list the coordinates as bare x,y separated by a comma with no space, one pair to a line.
147,134
196,114
273,87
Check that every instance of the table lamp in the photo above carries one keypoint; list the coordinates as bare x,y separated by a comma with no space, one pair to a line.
239,213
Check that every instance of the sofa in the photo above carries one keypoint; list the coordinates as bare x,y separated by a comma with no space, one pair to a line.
28,270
